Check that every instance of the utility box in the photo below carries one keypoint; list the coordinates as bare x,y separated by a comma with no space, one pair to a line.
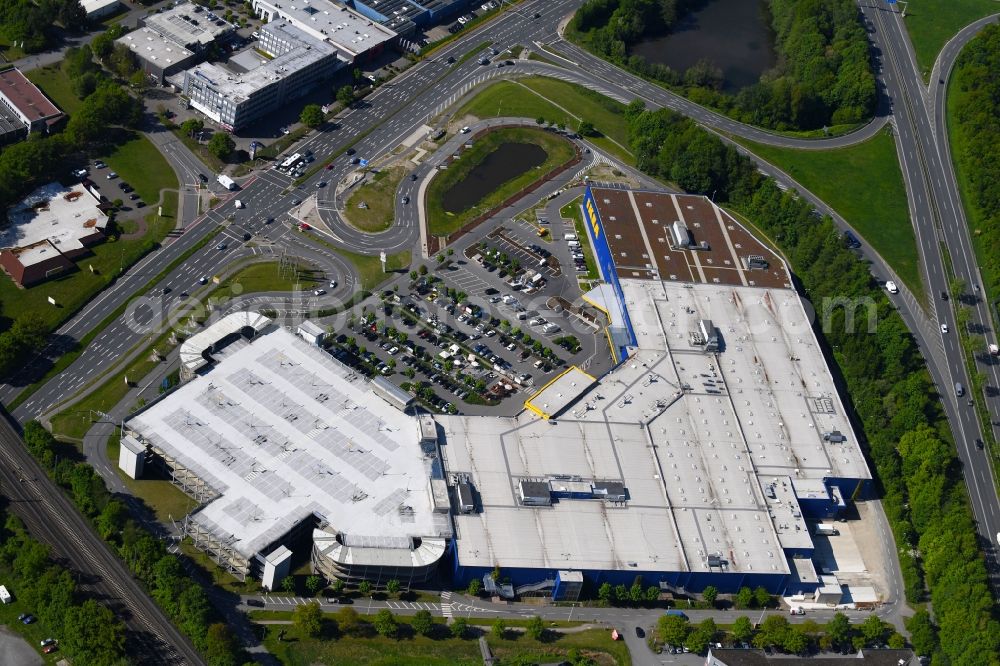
131,456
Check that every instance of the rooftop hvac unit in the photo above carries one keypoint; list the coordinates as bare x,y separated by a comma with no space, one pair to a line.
534,493
466,501
834,436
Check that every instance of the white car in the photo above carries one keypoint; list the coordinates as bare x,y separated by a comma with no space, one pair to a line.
465,130
891,287
319,292
944,328
797,610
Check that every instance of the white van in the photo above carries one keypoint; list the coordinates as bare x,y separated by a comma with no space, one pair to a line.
569,237
239,204
5,596
574,244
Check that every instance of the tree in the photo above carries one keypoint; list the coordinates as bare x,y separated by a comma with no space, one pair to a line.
192,126
311,116
92,634
761,597
345,95
385,623
673,629
742,629
873,629
422,622
499,628
621,593
459,627
586,128
288,584
221,647
338,587
392,587
839,629
604,592
365,588
795,640
314,584
923,634
709,594
221,145
308,619
348,620
652,593
535,628
540,120
635,593
897,641
111,520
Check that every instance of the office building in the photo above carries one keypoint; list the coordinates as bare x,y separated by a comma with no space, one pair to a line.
22,99
356,38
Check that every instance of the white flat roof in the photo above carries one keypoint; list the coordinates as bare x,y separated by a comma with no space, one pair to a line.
153,47
337,24
192,350
240,86
560,392
281,430
55,212
188,24
692,467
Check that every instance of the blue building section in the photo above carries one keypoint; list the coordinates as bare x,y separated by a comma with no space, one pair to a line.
606,263
422,13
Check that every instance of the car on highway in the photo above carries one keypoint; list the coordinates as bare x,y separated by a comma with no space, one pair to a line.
304,227
329,167
333,284
246,235
269,220
405,200
167,290
537,15
351,151
451,60
202,280
321,184
891,287
979,443
640,632
944,328
319,292
413,176
465,130
296,202
202,177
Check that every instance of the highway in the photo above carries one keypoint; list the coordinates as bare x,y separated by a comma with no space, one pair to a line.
51,518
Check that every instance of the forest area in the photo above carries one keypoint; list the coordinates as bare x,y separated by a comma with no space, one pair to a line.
905,434
823,75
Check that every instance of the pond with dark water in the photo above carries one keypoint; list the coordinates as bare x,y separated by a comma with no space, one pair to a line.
733,35
508,161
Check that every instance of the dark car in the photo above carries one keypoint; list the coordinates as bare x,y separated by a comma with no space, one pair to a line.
944,295
246,235
351,151
255,602
133,196
202,177
413,176
979,444
640,632
537,15
140,204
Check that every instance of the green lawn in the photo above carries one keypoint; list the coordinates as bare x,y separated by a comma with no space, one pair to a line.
163,497
973,214
411,650
441,223
864,184
56,85
268,276
931,23
557,102
141,165
369,268
572,211
379,195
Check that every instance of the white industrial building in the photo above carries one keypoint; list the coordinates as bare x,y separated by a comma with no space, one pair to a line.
355,37
234,99
284,446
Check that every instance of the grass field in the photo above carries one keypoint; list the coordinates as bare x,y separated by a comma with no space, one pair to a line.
370,268
379,195
56,85
141,165
415,650
268,276
571,211
865,185
557,102
440,223
931,23
163,497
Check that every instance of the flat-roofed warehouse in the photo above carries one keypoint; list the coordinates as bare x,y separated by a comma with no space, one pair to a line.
286,446
698,459
356,38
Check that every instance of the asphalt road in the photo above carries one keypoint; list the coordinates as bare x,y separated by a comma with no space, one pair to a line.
939,221
52,518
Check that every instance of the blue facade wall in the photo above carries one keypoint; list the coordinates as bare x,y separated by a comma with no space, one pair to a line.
599,241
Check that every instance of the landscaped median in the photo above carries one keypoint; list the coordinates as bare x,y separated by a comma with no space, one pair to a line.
372,205
559,154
